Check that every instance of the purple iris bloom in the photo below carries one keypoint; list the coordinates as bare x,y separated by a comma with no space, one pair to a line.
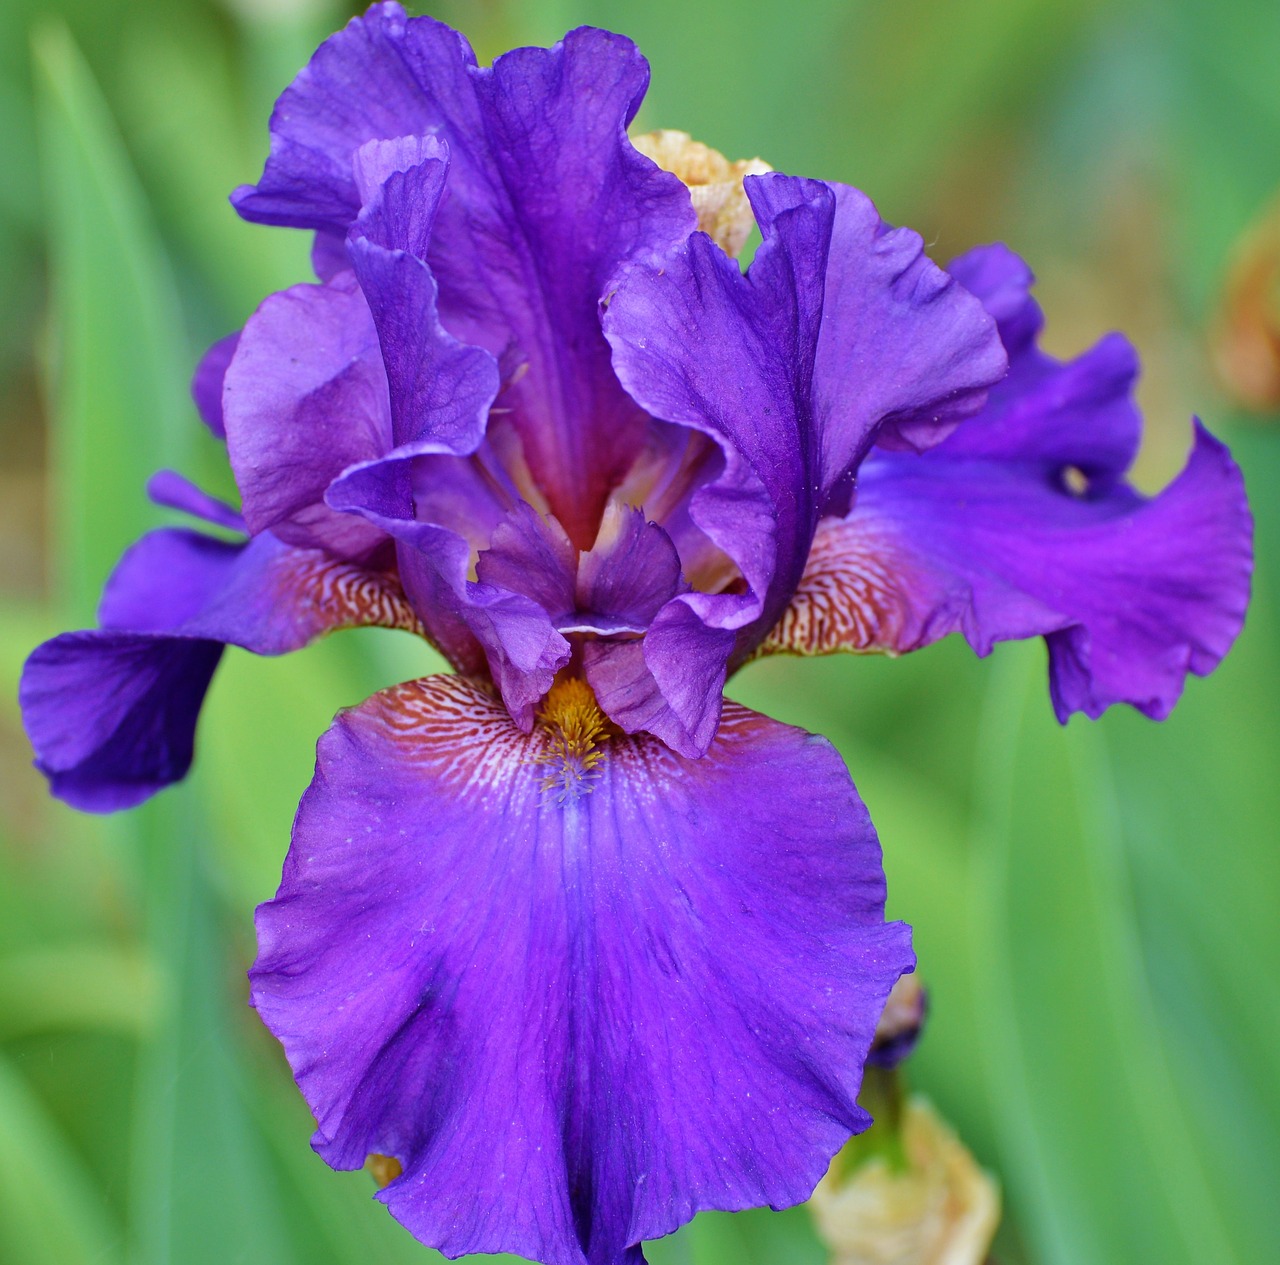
576,944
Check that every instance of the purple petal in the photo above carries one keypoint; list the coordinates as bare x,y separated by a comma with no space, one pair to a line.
631,571
559,166
904,352
675,463
440,389
840,333
175,491
1168,598
1131,594
670,684
605,1010
306,396
530,554
329,254
364,83
206,384
546,197
1021,523
472,622
112,716
1001,281
112,713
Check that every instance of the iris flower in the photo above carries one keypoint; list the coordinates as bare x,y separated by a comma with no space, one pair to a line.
574,944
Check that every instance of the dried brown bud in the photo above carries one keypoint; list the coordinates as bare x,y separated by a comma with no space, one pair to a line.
715,183
939,1208
900,1023
384,1168
1246,338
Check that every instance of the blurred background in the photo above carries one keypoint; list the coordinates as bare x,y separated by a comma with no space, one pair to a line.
1095,907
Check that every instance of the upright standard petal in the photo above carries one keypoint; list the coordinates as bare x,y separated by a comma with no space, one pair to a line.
546,197
112,712
840,333
305,397
1022,524
607,999
440,389
206,383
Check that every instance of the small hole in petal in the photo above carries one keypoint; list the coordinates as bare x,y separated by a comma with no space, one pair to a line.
1075,480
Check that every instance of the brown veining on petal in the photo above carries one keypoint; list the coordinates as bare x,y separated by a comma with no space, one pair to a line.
343,595
715,183
849,598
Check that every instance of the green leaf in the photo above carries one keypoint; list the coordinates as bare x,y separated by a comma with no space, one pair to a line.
182,84
256,751
1096,1143
50,1211
90,986
202,1187
117,369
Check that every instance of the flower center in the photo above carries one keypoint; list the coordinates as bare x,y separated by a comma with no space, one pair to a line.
579,730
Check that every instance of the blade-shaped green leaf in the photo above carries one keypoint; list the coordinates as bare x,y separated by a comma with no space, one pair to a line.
50,1211
1096,1144
90,986
117,368
203,1190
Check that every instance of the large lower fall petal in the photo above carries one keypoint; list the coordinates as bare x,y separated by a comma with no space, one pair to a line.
603,984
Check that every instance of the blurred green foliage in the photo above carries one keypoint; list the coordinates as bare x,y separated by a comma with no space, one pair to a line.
1095,906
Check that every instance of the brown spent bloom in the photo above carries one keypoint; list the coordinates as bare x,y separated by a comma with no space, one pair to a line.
940,1209
1246,336
715,183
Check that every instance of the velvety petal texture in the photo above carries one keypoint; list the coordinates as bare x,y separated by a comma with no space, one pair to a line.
1021,524
604,1008
112,712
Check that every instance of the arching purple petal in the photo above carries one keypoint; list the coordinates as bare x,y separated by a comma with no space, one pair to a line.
1171,601
175,491
1021,523
560,167
305,397
1001,281
112,713
904,352
473,622
631,571
329,254
670,684
206,383
112,716
546,197
364,83
530,554
840,333
684,965
1130,594
440,389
